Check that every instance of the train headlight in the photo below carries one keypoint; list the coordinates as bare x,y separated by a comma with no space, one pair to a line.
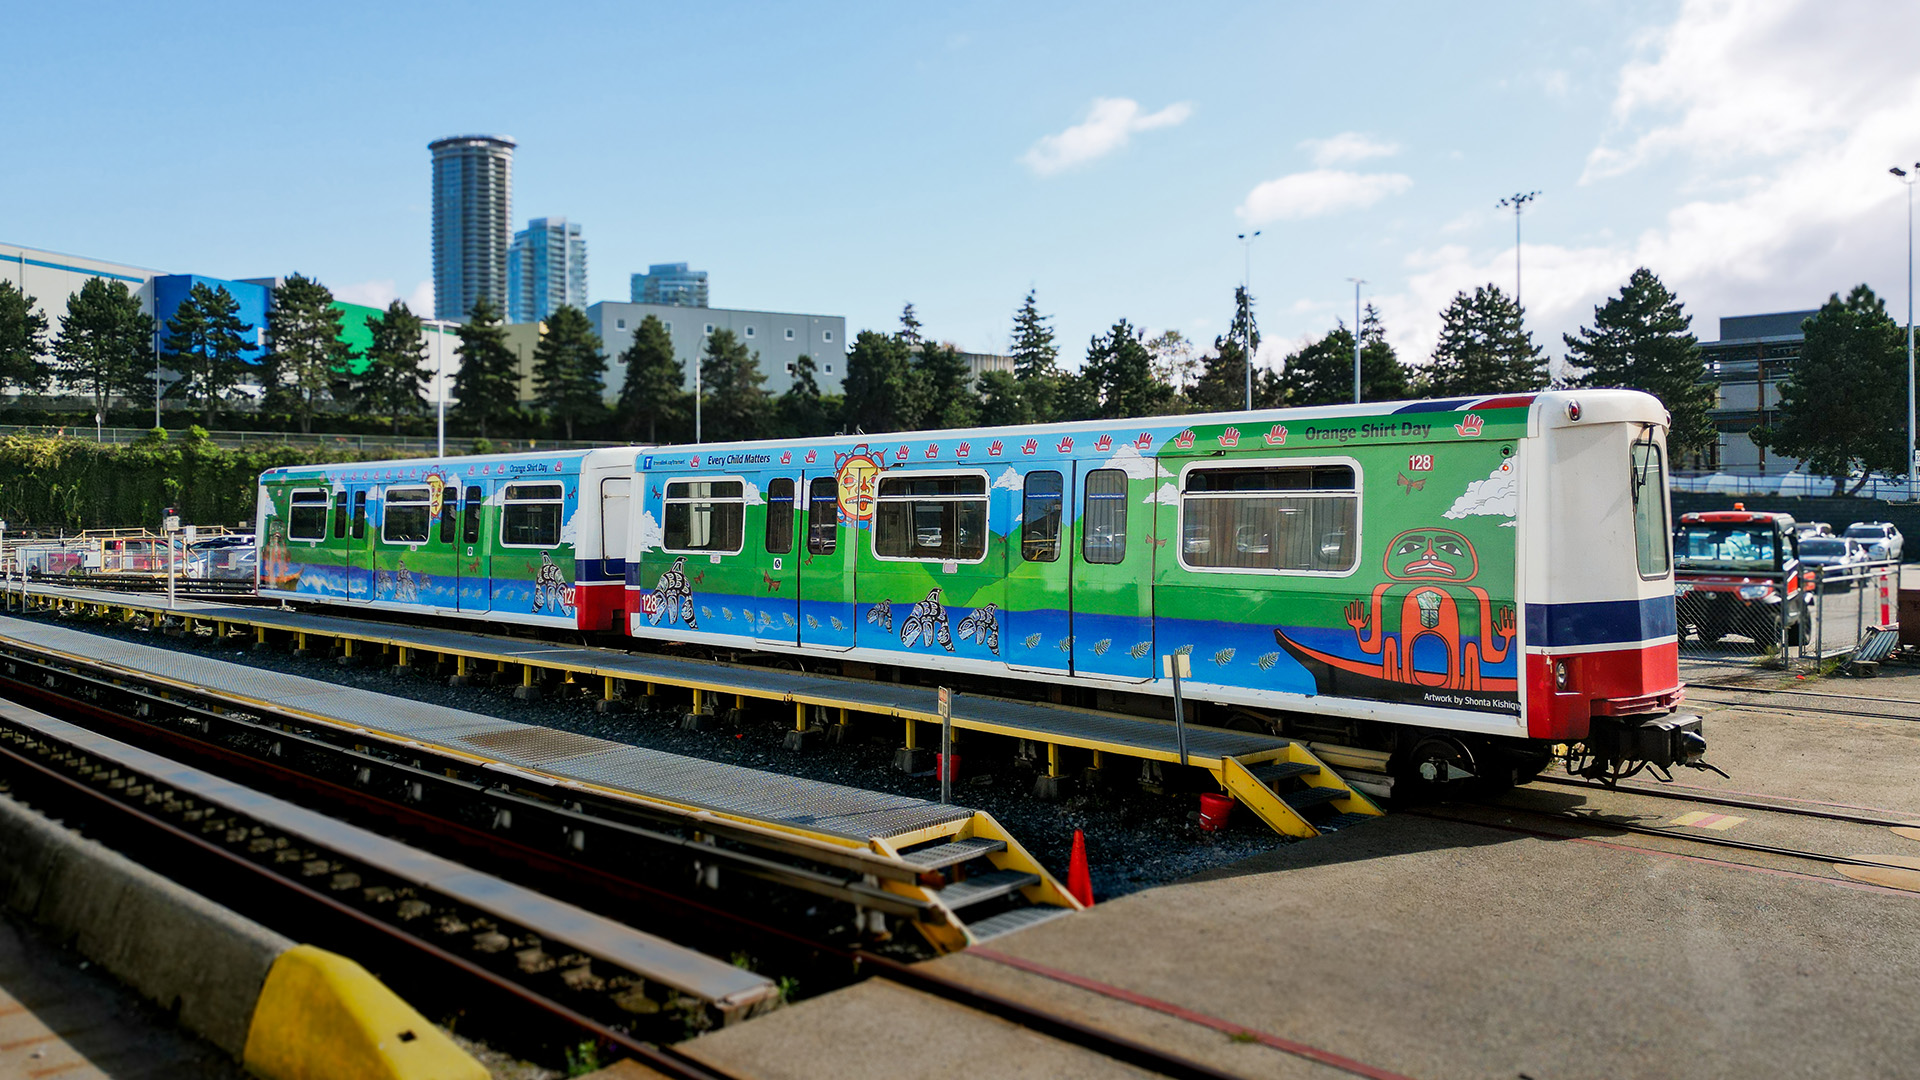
1560,679
1756,592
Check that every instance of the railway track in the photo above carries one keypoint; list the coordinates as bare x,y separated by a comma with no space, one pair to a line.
1853,710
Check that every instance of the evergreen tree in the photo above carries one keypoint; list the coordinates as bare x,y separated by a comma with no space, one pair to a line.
653,393
394,382
1382,376
23,339
1036,362
1120,369
205,337
567,368
1843,409
305,355
105,343
909,332
1485,348
1640,340
1320,372
1001,402
1222,382
942,383
803,414
1075,397
876,383
486,389
736,401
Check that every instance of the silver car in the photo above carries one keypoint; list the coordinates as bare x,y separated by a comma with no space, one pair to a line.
1882,541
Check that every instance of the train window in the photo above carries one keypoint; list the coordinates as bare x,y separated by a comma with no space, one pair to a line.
449,510
470,525
307,516
1275,518
823,515
407,515
779,516
530,515
1103,523
706,516
614,491
1040,514
340,516
359,515
931,517
1648,483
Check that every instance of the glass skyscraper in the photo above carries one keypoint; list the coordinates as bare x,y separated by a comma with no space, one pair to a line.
670,283
472,220
546,267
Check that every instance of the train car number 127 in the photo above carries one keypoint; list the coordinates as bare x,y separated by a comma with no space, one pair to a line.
1420,463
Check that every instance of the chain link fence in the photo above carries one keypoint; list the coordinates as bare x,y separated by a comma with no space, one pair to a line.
1781,620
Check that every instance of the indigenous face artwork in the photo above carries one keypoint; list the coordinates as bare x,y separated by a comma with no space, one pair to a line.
858,474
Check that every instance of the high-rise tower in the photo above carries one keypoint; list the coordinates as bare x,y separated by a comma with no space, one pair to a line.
546,267
472,221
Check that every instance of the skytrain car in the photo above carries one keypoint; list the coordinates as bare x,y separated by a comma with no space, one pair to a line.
537,538
1463,582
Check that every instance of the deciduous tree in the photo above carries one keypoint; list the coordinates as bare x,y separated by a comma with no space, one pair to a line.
204,342
486,389
1640,340
305,356
1843,409
106,343
653,394
1485,348
567,368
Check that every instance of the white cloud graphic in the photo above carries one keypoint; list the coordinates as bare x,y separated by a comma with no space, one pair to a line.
1318,193
1110,123
1009,480
1167,495
1136,465
651,535
1496,496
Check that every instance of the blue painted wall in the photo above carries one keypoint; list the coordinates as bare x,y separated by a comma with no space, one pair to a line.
170,291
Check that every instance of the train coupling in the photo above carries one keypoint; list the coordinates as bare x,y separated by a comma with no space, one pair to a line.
1618,747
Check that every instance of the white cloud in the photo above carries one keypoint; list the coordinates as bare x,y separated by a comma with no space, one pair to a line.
1347,148
381,292
1110,123
1316,193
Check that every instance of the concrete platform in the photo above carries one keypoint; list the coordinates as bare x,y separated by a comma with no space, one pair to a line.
1424,946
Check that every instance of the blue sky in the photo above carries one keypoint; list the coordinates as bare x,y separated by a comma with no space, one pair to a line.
848,159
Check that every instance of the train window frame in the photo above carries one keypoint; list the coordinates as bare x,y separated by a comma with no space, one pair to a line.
449,514
1650,492
668,500
1357,495
786,533
473,497
985,497
407,499
360,514
508,503
1113,552
1037,545
823,537
319,499
340,514
615,526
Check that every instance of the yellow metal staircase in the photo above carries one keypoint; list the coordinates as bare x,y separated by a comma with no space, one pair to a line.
1294,791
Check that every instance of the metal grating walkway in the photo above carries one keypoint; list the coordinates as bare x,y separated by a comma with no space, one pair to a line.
1125,735
789,802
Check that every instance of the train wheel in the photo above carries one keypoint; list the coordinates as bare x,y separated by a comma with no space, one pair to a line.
1434,765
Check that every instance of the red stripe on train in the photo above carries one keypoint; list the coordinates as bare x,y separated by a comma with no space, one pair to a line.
1619,682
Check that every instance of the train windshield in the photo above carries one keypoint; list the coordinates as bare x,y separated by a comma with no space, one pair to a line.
1752,546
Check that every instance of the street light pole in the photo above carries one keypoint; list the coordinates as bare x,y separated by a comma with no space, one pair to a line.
440,378
1901,174
1357,282
1246,287
1518,201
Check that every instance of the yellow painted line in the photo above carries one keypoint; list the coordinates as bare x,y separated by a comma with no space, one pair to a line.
1700,819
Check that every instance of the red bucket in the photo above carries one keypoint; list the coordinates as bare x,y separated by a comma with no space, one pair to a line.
1214,811
940,767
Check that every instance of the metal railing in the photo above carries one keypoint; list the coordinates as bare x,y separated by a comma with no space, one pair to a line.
1779,620
389,444
1785,485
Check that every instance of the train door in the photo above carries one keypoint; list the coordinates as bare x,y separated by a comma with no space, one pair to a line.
1040,629
360,508
777,614
825,564
1112,579
472,564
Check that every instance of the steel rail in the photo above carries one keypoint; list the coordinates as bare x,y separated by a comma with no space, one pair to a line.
1722,800
77,791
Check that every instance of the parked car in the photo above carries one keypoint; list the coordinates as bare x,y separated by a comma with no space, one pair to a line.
1807,530
1837,557
1882,540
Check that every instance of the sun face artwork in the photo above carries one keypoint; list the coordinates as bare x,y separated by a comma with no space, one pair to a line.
858,476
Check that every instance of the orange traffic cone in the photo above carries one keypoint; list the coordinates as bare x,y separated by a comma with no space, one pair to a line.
1079,880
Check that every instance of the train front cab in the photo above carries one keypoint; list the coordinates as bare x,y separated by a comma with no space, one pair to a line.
1601,659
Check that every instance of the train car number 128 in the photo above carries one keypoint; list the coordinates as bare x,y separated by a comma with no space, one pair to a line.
1420,463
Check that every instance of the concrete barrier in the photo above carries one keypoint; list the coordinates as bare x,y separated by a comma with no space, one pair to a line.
287,1011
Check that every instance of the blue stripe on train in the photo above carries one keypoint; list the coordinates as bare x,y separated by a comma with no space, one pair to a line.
1602,622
